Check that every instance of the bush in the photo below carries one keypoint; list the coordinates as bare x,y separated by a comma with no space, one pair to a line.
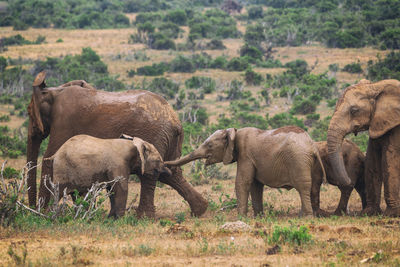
170,30
391,38
206,84
163,86
303,106
252,78
3,63
353,68
215,44
252,52
291,235
238,64
161,42
285,119
153,70
177,16
219,62
388,68
255,12
10,172
182,64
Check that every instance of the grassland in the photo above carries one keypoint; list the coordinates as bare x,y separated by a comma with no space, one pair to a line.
199,241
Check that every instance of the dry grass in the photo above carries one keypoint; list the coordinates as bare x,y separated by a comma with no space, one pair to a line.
200,242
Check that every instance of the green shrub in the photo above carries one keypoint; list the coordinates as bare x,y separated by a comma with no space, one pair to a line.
285,119
170,30
182,64
388,68
238,64
163,86
391,38
3,63
215,44
303,106
161,42
290,235
4,118
353,68
255,12
206,84
10,172
153,70
251,77
252,52
177,16
219,62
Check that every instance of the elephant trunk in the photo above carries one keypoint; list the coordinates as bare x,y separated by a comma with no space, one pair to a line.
32,156
335,155
197,154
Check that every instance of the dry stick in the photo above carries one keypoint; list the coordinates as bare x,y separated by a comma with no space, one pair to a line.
2,177
32,210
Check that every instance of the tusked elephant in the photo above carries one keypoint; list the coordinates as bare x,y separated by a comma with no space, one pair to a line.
69,110
354,161
280,158
83,160
374,107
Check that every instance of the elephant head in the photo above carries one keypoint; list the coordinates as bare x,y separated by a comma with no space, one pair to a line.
364,106
218,147
151,162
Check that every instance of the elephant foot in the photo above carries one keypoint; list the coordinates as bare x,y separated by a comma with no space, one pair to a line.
321,213
146,212
199,208
340,212
371,211
392,212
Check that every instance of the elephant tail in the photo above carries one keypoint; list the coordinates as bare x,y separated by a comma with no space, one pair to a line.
316,152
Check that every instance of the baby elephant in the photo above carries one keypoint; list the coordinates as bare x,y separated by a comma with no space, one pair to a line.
83,160
354,162
280,158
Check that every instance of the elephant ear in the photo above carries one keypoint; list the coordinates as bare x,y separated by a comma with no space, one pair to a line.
387,109
34,107
141,148
229,151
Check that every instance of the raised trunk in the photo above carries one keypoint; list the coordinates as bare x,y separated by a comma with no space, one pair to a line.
32,156
335,156
186,159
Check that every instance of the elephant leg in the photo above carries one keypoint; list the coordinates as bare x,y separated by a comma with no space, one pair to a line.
256,192
345,193
44,193
146,204
112,202
304,189
373,178
315,192
391,178
244,179
120,198
360,188
197,203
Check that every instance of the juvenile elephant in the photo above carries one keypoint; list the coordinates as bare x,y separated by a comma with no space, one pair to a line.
78,108
374,107
83,160
278,158
354,162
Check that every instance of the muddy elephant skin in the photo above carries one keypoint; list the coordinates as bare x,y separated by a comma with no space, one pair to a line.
354,162
77,108
83,160
280,158
374,107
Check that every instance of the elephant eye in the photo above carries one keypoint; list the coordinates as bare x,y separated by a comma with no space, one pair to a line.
354,110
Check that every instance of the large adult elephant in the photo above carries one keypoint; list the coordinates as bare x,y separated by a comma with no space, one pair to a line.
77,108
374,107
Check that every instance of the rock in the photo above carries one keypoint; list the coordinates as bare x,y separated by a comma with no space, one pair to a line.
237,226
